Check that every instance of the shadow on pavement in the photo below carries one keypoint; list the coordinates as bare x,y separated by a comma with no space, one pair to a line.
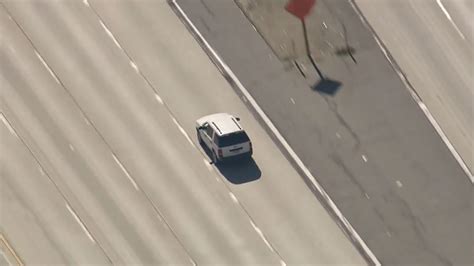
327,86
238,171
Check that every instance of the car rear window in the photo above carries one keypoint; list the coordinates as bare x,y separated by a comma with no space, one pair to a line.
232,139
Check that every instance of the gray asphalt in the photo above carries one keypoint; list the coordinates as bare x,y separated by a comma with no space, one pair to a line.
369,144
98,104
437,56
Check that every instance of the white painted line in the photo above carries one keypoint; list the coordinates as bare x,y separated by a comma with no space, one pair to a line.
232,196
8,126
282,263
71,147
47,67
41,170
324,24
126,172
292,100
399,184
422,106
348,227
84,228
158,98
87,120
259,232
181,129
86,3
110,35
364,158
446,13
207,164
338,135
367,196
134,66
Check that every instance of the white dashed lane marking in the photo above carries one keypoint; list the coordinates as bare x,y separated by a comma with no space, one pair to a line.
125,171
80,223
446,13
7,125
399,184
158,98
259,232
232,196
47,67
181,129
110,35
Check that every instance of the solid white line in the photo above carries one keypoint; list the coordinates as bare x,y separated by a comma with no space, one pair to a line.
126,172
47,67
292,100
86,3
110,34
7,125
277,134
80,223
423,107
364,158
446,13
71,147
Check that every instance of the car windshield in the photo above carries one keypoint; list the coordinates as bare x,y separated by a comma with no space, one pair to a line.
232,139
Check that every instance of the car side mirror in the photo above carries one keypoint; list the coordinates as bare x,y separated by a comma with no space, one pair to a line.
237,118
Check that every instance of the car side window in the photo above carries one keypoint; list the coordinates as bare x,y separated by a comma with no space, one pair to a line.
209,131
216,139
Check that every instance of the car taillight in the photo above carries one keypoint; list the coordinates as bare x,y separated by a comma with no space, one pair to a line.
219,152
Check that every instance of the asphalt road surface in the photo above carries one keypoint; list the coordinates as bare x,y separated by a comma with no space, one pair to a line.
360,132
432,41
99,160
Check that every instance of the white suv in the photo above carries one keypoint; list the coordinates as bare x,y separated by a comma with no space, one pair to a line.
224,137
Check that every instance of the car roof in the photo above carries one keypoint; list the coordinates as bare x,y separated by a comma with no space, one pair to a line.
223,123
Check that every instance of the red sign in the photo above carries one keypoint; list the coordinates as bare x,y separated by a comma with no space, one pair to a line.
300,8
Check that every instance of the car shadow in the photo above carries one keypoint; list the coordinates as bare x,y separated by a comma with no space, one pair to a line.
237,171
327,86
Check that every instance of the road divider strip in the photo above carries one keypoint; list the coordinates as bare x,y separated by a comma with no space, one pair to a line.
232,78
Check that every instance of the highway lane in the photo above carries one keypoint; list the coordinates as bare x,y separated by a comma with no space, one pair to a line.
30,201
279,201
432,42
105,103
119,220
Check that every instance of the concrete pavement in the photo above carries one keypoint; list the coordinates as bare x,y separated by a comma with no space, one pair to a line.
105,96
368,142
437,58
